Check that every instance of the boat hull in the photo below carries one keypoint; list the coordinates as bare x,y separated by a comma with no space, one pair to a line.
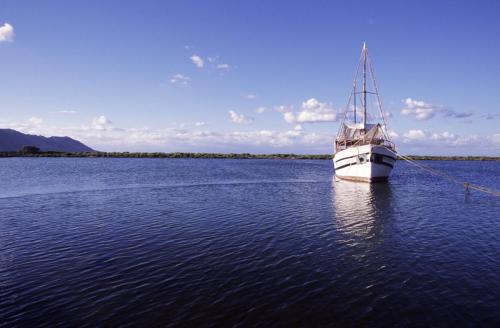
368,163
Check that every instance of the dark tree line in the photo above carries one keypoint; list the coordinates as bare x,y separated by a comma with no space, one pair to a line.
32,151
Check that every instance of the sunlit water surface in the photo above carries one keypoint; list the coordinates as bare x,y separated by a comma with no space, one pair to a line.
179,242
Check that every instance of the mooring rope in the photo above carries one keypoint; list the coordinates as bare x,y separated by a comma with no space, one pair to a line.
465,184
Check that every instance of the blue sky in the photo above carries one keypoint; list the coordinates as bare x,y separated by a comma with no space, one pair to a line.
249,76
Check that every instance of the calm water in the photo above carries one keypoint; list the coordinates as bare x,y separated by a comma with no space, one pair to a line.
178,242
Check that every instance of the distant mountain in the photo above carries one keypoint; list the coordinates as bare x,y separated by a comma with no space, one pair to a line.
12,140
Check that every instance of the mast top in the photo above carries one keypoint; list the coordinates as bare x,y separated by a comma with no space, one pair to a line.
365,68
364,85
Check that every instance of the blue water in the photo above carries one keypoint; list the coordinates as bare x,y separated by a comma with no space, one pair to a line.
194,242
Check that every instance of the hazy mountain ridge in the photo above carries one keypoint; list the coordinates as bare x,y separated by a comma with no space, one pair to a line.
12,140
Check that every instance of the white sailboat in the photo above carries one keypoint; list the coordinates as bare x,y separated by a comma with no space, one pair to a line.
363,151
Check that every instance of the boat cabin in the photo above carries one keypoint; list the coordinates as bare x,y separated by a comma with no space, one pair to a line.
354,135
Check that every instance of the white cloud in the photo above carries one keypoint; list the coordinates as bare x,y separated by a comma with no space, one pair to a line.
284,109
446,139
419,109
180,79
393,134
251,96
101,123
197,60
469,140
443,136
239,118
6,33
214,62
415,135
315,111
452,113
67,111
312,111
423,111
289,117
168,139
293,140
200,124
36,121
495,138
260,110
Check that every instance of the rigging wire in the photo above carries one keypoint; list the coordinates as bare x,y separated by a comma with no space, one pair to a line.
352,93
465,184
379,100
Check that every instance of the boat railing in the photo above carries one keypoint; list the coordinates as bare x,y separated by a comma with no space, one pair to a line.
342,144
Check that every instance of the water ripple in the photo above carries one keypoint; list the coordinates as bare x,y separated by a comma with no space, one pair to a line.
242,243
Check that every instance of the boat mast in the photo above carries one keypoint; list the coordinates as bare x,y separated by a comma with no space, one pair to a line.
364,84
354,103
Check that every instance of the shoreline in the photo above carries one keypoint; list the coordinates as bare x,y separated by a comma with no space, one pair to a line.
224,156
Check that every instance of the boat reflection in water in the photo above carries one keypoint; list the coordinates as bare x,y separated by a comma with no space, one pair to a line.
361,209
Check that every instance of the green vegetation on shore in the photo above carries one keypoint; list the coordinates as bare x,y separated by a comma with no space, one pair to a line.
221,155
